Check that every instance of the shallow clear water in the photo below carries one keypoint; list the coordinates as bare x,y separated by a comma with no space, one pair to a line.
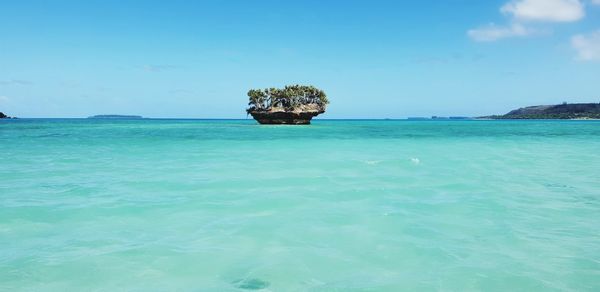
338,205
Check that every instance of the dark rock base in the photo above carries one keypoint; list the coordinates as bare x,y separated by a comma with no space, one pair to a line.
284,118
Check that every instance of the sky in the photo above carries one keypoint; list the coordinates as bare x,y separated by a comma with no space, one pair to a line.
375,59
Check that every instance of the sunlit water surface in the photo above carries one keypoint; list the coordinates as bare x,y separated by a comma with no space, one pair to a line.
338,205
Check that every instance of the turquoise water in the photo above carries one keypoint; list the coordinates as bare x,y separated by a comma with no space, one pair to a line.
336,206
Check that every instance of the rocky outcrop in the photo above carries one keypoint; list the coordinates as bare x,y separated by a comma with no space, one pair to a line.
283,117
3,116
291,105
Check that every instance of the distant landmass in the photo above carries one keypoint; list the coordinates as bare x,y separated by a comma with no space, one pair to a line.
563,111
3,116
128,117
438,118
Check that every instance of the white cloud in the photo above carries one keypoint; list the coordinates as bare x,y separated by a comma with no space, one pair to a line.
3,99
492,32
523,12
15,82
596,2
545,10
587,46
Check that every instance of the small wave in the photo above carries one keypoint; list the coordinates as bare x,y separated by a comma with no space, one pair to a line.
250,284
558,185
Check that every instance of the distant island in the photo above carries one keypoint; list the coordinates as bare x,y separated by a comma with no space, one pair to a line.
3,116
294,104
438,118
125,117
565,111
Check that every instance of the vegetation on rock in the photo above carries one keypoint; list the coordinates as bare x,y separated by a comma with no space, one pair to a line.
292,98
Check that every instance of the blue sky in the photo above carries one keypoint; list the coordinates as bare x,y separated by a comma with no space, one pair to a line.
375,59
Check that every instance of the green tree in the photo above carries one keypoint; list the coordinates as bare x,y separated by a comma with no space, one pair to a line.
290,98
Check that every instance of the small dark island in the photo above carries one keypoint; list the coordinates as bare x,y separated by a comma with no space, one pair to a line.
565,111
294,104
3,116
123,117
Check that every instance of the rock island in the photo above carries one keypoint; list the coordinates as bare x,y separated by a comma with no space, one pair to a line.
294,104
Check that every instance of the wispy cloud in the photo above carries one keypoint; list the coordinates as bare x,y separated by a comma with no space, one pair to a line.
587,46
180,91
544,10
4,99
430,60
15,82
158,68
492,32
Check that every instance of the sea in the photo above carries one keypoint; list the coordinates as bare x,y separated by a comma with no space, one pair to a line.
339,205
